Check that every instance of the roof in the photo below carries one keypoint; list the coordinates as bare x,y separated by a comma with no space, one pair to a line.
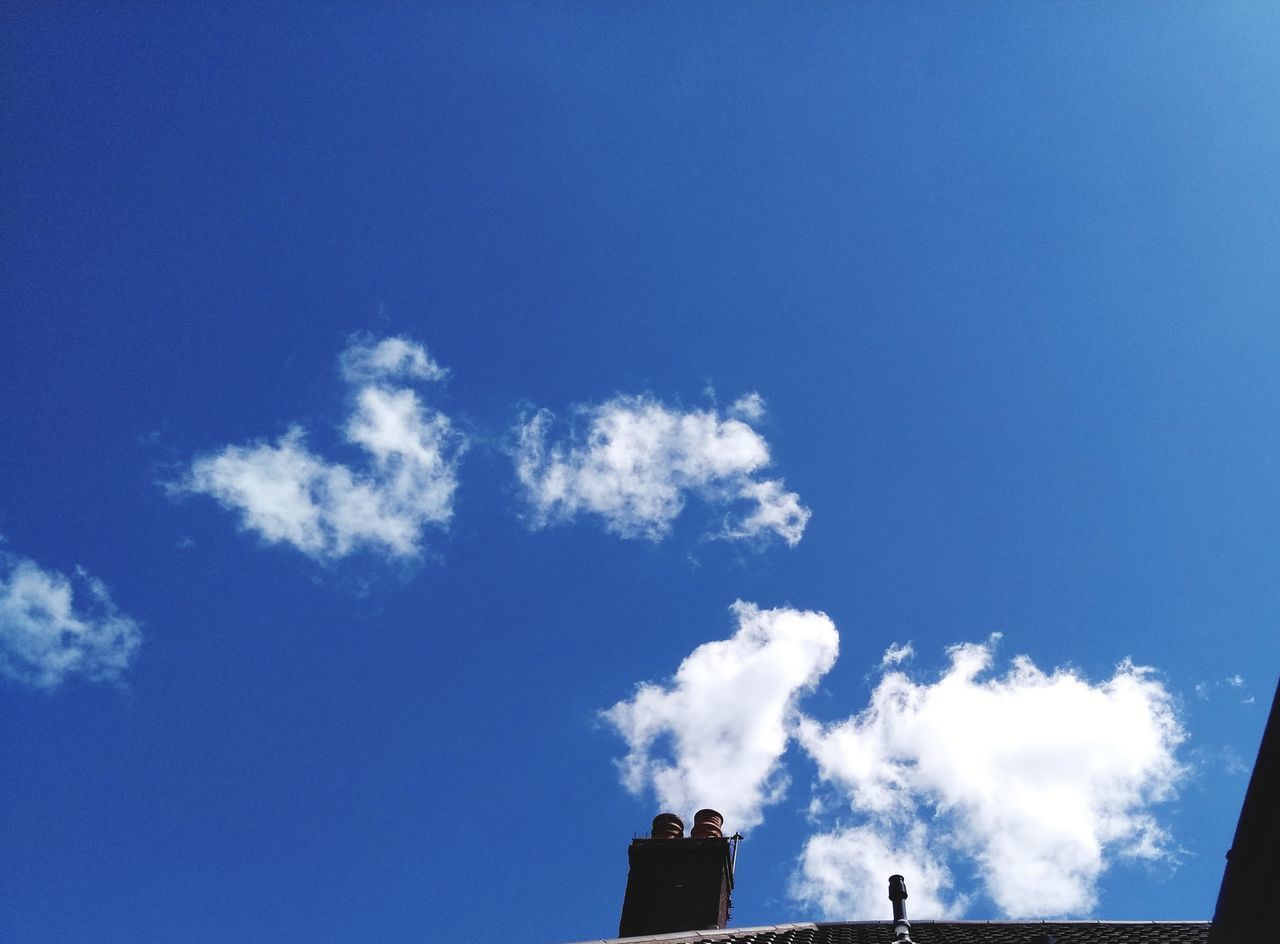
942,932
1251,881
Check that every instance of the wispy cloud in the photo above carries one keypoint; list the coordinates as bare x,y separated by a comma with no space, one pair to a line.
727,715
368,360
53,626
633,461
1040,779
1204,690
288,494
896,654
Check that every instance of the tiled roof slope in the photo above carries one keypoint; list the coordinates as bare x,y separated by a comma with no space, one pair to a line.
944,932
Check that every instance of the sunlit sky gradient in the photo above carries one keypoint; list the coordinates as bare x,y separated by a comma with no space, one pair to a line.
898,324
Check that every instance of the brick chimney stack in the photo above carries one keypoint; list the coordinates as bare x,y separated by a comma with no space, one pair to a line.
677,883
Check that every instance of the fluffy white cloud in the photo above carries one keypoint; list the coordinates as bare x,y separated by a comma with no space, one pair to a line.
846,873
1039,778
288,494
775,510
51,628
638,459
727,715
1033,781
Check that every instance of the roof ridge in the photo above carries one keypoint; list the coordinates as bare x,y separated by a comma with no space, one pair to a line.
709,935
1007,921
728,935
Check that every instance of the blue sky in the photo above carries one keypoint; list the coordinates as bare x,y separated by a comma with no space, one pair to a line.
396,405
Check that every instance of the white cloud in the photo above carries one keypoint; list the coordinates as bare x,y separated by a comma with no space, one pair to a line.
896,654
775,510
1034,782
52,627
727,715
1040,779
288,494
749,407
366,360
846,873
638,460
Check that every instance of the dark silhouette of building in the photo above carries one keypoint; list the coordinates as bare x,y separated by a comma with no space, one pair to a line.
1251,882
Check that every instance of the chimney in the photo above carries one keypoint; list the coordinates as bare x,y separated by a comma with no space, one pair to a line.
679,884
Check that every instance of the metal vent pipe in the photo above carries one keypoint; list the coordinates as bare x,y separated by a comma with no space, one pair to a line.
898,895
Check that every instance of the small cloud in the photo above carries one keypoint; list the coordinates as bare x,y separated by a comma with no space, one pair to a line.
749,408
288,494
896,655
53,626
727,714
184,542
638,460
367,360
1235,681
775,510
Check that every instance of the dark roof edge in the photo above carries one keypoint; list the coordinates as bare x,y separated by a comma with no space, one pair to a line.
710,934
1017,922
1246,898
729,934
